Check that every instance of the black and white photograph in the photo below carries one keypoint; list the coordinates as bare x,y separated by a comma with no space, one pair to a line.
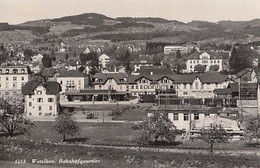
129,83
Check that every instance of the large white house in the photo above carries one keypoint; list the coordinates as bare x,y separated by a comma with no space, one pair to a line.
12,78
204,58
110,81
71,80
41,98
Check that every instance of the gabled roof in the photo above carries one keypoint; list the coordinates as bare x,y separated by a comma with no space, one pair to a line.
185,78
233,87
49,72
243,72
118,77
52,87
71,73
213,77
213,55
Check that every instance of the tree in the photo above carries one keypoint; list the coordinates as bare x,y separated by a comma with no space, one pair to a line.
65,125
241,58
11,117
216,133
154,128
178,54
214,67
46,61
252,128
66,56
94,62
28,53
199,68
81,69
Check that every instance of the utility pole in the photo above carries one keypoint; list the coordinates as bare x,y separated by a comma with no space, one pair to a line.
103,109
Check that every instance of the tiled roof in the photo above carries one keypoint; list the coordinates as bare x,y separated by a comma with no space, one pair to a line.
222,91
213,55
52,88
118,77
49,72
243,72
233,87
212,77
71,73
186,78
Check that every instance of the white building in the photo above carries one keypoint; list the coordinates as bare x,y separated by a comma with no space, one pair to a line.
103,59
12,78
71,80
110,81
41,98
204,58
174,49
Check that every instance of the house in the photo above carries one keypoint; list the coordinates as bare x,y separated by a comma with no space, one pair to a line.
71,80
41,98
248,75
143,61
110,81
200,85
103,59
174,48
12,79
150,79
206,59
72,64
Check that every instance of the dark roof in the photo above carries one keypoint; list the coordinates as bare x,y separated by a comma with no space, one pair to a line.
143,58
222,91
213,55
71,73
243,72
213,77
118,77
49,72
233,87
52,87
187,78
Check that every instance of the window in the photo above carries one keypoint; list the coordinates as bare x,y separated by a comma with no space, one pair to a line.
133,86
6,85
30,96
22,71
185,93
7,71
30,113
141,86
202,86
186,117
7,78
50,100
190,86
196,116
175,117
39,100
184,86
110,80
61,82
196,85
0,78
99,86
40,113
206,115
30,103
39,92
22,78
136,86
15,78
216,84
79,82
14,85
50,108
7,93
40,108
121,87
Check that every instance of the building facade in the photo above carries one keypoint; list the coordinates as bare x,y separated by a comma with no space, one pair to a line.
41,98
12,79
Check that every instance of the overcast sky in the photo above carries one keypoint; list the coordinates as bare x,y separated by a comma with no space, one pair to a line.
18,11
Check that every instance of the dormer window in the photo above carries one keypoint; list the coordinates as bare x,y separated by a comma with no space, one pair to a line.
0,70
22,71
15,71
100,80
7,71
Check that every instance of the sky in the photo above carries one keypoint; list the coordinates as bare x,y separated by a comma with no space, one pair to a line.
19,11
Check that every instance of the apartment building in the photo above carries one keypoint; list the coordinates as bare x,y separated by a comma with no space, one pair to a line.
71,80
41,98
12,79
175,48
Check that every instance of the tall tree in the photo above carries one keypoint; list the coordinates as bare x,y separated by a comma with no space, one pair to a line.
252,128
241,58
66,56
46,61
214,68
178,54
94,62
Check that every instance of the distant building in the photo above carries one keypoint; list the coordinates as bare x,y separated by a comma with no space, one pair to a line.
143,61
41,98
71,80
204,58
72,64
103,59
174,49
12,79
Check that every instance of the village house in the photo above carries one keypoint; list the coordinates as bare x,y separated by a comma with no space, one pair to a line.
200,85
12,79
110,81
71,80
103,59
141,62
206,59
150,79
41,98
72,64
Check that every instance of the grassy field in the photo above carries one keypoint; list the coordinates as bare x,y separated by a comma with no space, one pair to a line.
132,115
27,150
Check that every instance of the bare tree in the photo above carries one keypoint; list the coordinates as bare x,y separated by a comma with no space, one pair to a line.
216,133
